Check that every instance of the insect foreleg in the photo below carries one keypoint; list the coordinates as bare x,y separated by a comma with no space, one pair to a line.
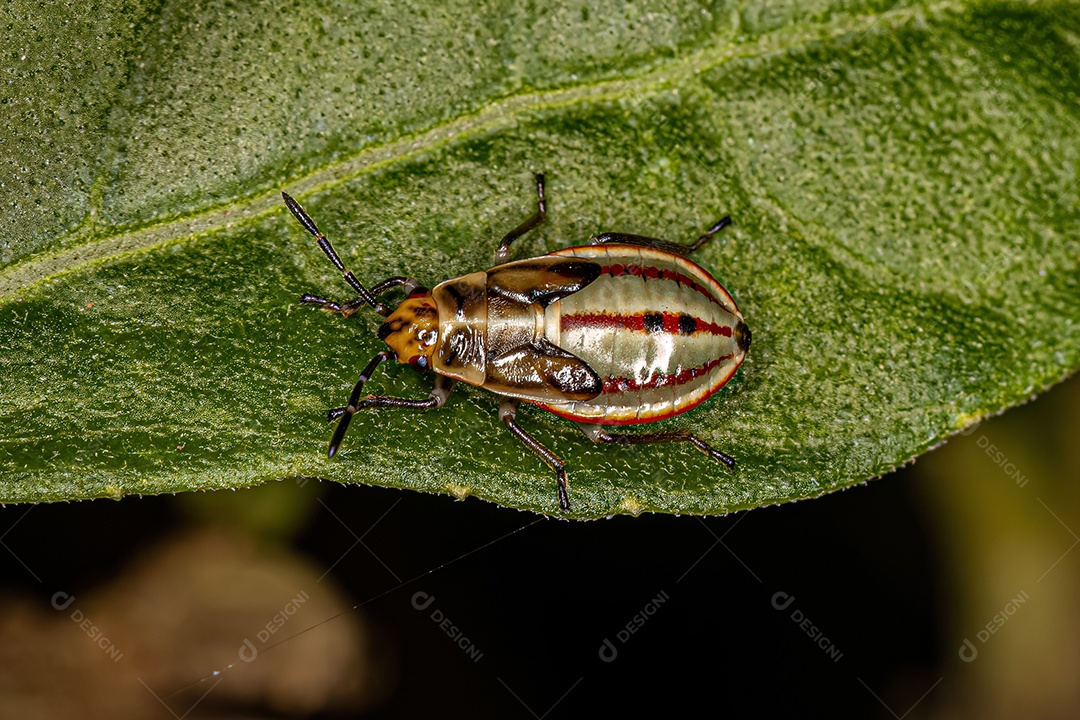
507,412
347,309
503,253
439,393
598,434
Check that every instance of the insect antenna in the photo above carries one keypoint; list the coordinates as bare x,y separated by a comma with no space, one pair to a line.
305,220
346,413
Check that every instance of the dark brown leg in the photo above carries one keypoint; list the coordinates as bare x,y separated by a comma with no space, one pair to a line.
438,396
503,253
347,309
677,248
597,433
720,225
507,411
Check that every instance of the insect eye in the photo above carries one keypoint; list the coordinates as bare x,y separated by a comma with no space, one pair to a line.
419,363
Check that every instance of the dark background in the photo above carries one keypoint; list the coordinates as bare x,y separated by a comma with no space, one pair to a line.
892,576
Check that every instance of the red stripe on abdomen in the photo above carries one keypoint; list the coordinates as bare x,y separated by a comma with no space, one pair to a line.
649,271
614,385
674,323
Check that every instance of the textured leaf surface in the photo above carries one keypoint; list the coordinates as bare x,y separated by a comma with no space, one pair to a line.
903,181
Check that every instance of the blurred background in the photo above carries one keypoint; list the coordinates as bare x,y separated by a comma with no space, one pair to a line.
947,589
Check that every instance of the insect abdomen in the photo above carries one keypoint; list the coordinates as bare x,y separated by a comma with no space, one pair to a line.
660,332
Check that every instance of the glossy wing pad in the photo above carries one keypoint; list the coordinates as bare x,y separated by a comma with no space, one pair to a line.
542,280
542,371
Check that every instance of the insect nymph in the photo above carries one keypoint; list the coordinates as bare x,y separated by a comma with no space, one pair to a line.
621,331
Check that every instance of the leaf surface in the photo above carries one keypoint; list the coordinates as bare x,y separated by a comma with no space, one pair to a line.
903,181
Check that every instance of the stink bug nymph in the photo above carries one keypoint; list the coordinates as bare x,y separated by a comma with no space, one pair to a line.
621,331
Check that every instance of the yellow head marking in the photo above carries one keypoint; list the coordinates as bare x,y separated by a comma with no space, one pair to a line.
412,329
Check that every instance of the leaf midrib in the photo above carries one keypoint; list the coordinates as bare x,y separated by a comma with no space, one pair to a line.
505,111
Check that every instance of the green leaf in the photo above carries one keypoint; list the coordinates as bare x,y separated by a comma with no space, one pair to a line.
903,181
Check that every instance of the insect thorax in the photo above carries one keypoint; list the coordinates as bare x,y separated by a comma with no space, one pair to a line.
462,349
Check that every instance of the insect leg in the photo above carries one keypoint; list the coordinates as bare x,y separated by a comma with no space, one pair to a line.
438,396
308,224
717,227
598,434
345,309
507,411
407,284
503,253
677,248
349,308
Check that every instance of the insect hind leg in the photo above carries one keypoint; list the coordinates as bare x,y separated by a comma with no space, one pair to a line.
598,434
502,254
651,242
